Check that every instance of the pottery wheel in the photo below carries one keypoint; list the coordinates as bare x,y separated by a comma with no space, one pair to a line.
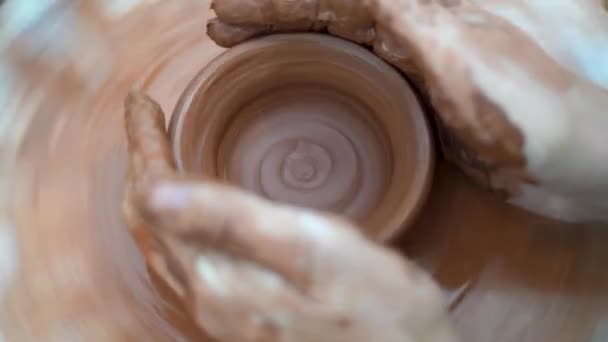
310,148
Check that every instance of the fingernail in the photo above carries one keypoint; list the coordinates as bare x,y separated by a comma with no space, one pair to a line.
170,196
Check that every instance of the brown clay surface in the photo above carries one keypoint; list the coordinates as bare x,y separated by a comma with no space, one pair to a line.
513,277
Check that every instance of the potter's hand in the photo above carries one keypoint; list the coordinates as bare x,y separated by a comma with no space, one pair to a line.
251,270
524,120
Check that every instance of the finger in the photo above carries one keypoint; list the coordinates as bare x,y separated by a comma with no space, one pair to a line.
211,214
464,41
224,218
347,19
257,12
240,300
148,143
396,53
237,300
149,159
227,35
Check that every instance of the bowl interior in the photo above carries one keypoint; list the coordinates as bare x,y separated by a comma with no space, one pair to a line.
312,121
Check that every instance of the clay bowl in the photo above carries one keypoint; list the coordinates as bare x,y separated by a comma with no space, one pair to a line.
313,121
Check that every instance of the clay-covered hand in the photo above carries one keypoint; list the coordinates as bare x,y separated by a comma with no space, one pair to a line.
251,270
520,88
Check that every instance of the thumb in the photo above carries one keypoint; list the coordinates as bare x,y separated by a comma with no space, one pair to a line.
220,217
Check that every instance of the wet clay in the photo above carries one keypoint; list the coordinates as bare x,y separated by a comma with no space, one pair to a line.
313,121
510,276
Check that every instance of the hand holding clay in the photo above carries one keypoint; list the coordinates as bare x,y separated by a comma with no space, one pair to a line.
251,270
520,88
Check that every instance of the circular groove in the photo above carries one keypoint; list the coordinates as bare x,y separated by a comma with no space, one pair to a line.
313,121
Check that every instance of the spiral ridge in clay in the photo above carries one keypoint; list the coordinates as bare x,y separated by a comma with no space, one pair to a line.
311,148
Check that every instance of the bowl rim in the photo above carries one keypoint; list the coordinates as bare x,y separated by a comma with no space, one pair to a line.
406,211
